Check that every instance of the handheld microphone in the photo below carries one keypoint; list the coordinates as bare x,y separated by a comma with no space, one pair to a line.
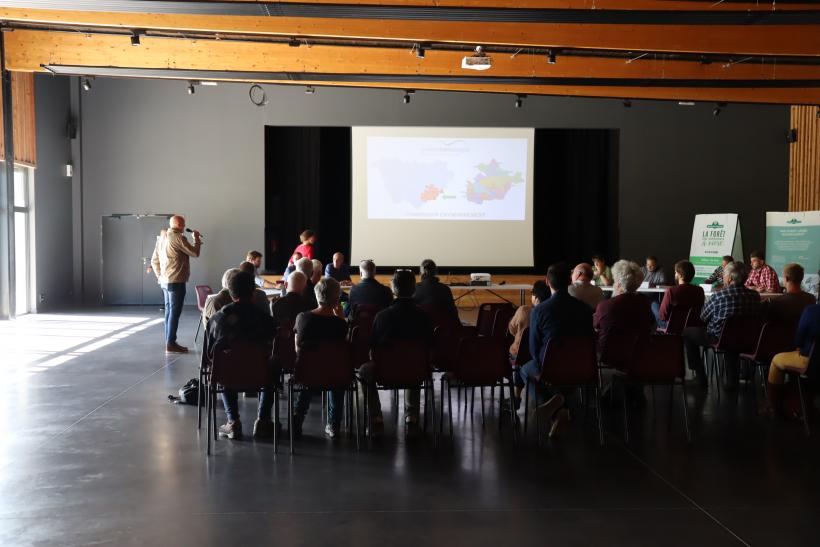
201,235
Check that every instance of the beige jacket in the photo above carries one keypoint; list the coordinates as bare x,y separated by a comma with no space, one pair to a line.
519,322
172,255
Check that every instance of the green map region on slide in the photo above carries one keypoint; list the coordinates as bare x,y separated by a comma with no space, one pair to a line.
491,183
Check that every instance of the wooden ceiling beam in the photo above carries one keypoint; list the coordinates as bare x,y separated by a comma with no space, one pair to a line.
28,50
783,40
653,5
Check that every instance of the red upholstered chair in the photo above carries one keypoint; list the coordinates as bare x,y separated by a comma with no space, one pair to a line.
202,294
501,323
240,366
677,320
324,366
284,347
774,338
658,360
740,334
570,362
810,375
361,325
402,364
486,316
481,362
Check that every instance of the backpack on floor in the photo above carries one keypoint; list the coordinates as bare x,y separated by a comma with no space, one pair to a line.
188,393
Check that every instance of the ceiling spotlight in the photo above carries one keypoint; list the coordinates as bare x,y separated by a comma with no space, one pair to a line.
191,88
406,98
419,51
550,57
519,102
718,106
627,103
293,42
86,83
309,90
135,39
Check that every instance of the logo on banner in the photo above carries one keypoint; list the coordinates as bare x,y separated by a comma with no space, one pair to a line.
715,225
794,221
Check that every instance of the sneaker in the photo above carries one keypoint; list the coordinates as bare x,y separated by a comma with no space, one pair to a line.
548,409
231,430
175,348
331,431
559,423
264,429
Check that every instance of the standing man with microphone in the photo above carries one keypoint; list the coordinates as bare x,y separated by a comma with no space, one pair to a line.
171,264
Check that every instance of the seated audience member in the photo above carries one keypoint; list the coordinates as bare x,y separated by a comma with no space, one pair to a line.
402,320
682,297
338,269
653,272
314,327
432,293
789,307
762,278
291,265
317,271
735,300
558,316
368,291
582,287
287,308
243,320
808,333
219,300
260,299
255,258
716,278
306,248
521,320
601,274
625,318
305,265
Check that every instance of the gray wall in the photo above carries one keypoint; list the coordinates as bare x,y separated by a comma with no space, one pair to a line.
150,147
52,195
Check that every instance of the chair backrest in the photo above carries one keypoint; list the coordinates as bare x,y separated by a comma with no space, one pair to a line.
693,318
775,337
481,361
202,292
740,334
501,323
570,361
524,355
658,359
677,320
486,316
363,314
360,344
241,365
813,372
619,348
401,363
284,348
325,365
447,331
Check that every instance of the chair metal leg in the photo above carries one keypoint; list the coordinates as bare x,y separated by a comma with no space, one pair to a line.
626,414
368,421
199,400
472,403
208,424
213,412
450,407
803,405
481,392
441,413
275,420
526,405
513,424
686,412
500,404
291,421
537,421
598,415
198,326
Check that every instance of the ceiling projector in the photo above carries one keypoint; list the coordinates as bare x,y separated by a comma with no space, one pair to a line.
477,61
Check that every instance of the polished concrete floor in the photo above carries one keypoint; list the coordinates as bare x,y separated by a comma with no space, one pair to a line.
92,453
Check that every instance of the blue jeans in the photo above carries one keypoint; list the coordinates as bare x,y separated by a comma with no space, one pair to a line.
335,405
174,294
656,311
230,399
525,378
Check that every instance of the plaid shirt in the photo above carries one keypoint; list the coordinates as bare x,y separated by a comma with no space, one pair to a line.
764,277
732,301
716,278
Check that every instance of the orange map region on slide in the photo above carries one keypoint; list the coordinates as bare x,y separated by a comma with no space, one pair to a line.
430,193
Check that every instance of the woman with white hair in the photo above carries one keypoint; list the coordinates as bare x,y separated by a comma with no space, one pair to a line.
624,319
314,327
217,301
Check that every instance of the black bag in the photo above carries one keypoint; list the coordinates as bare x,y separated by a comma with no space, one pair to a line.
187,394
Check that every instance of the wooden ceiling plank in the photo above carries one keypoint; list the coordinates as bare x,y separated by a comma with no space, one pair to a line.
797,40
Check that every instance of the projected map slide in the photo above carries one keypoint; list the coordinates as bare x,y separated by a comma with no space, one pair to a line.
425,178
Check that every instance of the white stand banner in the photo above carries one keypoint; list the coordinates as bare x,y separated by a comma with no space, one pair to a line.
794,237
714,236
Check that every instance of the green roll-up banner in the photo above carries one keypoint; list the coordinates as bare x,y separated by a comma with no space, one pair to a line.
794,237
714,236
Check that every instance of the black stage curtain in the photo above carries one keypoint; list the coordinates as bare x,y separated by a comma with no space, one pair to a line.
308,185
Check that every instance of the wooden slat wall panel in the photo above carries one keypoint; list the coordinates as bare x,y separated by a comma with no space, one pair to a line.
25,147
804,160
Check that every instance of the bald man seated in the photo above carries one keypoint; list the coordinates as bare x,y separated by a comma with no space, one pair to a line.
582,287
171,265
286,309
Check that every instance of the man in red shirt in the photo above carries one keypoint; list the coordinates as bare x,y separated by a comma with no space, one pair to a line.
682,297
762,278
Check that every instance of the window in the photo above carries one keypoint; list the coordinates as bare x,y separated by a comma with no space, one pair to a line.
24,285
